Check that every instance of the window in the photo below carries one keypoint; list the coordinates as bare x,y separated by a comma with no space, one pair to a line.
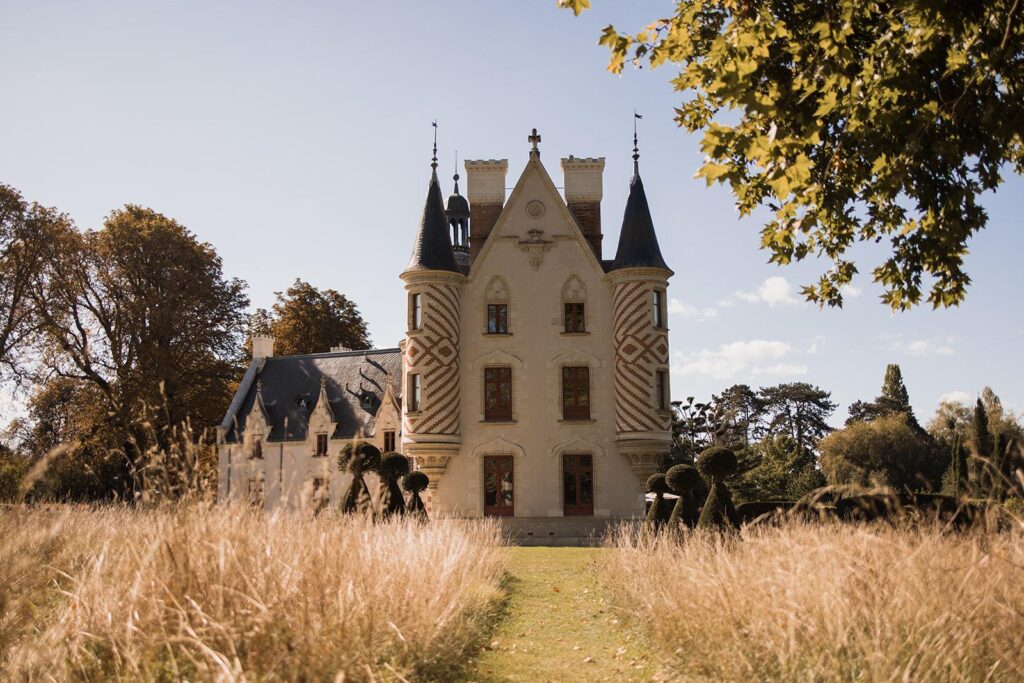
412,401
389,440
578,484
321,445
575,320
499,482
498,394
415,312
257,492
575,393
662,390
659,308
497,318
257,446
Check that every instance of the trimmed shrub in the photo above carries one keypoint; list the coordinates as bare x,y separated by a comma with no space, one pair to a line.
658,513
415,483
683,480
754,510
358,458
393,466
717,463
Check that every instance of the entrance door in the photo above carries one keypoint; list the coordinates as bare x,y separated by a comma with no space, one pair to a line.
578,483
499,480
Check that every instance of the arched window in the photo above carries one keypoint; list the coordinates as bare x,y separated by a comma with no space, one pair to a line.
574,306
497,301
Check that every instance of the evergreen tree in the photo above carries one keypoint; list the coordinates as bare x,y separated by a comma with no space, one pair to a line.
955,482
393,467
982,450
358,459
414,483
894,399
716,464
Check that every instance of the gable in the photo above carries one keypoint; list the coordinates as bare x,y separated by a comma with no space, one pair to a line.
536,218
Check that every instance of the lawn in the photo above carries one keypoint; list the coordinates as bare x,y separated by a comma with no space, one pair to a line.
559,624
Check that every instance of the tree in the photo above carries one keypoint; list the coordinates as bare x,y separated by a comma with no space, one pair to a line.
955,482
26,232
716,464
780,470
141,311
852,122
743,411
305,319
798,410
884,452
894,399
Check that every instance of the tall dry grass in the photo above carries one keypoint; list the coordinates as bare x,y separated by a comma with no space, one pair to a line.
221,593
828,602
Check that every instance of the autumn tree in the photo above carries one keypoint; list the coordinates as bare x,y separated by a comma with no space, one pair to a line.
305,319
884,452
850,121
142,313
26,232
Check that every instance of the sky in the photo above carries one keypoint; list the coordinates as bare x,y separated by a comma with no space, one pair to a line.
295,138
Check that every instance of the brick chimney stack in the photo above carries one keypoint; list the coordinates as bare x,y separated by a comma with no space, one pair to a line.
485,190
583,193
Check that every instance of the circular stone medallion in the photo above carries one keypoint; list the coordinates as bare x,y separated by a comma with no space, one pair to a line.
535,209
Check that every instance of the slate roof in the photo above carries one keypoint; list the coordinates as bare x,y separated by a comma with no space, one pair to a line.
638,243
290,387
432,249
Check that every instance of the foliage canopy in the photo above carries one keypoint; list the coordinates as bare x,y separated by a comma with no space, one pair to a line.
852,121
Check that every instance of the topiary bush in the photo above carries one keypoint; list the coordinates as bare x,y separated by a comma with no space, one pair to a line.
393,466
659,511
717,463
683,480
357,459
415,483
719,512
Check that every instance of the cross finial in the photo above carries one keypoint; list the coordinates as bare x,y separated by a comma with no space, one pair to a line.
433,161
534,140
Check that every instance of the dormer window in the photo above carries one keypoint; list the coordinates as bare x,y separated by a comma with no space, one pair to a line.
321,445
257,447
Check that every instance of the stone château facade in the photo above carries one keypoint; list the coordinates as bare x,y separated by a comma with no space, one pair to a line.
533,380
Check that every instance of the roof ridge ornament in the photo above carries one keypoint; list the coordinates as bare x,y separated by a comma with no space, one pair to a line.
534,140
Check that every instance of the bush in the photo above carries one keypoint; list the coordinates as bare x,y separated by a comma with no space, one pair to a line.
358,458
683,480
658,513
368,459
415,483
717,463
718,511
748,512
393,467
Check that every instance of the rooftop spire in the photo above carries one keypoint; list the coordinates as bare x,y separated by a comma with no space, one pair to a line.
636,150
456,176
432,249
433,161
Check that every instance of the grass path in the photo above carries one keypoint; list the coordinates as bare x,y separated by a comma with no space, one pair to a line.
559,626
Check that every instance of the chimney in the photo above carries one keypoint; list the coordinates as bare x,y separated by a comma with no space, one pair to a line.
583,193
485,190
262,347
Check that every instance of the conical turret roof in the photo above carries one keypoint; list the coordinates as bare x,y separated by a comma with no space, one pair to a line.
638,243
432,249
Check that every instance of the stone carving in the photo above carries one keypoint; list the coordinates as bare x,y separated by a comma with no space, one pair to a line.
535,246
535,209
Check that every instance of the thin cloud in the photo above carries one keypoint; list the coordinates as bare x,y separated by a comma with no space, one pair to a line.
774,291
760,357
682,309
957,397
926,347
